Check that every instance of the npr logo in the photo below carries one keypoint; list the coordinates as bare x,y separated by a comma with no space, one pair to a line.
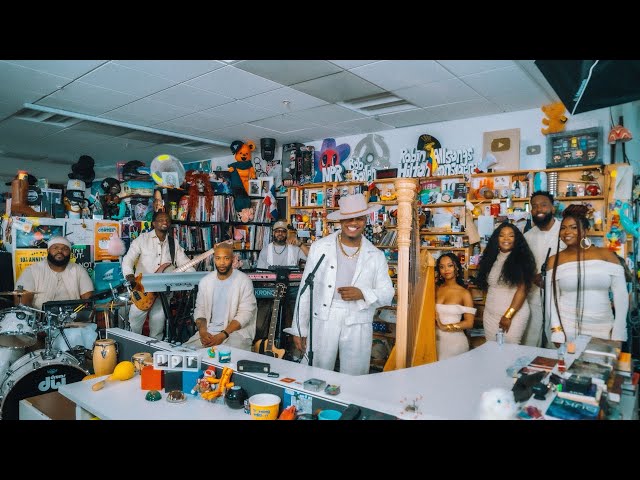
176,361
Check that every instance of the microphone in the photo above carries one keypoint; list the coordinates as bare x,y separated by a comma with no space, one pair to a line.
309,278
543,267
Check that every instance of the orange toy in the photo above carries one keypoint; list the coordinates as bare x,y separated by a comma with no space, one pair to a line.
242,166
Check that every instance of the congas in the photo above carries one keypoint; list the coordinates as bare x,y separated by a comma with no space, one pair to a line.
105,356
34,375
138,360
17,328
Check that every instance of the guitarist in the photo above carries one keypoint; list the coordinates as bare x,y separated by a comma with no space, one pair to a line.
225,306
146,253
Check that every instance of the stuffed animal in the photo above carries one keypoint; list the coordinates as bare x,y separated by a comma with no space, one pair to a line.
200,186
242,169
497,404
112,207
555,120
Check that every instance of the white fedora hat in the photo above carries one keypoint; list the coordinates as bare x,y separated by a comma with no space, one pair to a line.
352,206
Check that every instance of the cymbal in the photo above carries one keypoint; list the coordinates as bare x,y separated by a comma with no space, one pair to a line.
18,292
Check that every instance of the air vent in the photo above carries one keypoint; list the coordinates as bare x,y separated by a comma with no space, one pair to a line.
47,118
378,103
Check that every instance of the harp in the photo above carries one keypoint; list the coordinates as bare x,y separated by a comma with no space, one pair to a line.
415,328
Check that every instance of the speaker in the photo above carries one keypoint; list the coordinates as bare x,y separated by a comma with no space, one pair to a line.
268,148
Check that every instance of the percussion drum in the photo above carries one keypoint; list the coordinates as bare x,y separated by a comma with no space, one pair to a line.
105,356
7,357
34,375
17,328
139,358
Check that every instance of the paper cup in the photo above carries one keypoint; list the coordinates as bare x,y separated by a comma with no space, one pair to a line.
264,406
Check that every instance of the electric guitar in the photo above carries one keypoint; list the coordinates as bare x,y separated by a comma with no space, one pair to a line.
145,300
266,346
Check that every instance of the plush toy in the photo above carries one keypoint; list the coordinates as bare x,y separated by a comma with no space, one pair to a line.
112,207
497,404
242,167
555,120
200,188
83,170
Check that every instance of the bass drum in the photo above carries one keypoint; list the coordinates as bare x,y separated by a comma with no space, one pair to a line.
33,375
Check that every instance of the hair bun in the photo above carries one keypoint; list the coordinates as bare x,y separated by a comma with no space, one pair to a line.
575,210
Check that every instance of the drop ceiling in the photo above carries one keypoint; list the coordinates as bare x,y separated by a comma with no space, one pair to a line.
53,111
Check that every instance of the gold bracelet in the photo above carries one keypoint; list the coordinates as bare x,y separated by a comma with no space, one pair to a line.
509,313
557,329
449,327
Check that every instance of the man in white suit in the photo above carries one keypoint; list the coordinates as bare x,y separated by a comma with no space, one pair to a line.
350,283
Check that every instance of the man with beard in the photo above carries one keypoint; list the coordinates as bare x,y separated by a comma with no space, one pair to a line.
54,279
226,306
543,240
146,253
280,252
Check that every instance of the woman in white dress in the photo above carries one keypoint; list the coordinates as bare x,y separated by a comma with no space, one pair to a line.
454,307
579,283
506,272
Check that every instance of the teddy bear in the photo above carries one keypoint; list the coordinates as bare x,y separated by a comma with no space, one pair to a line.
241,172
555,120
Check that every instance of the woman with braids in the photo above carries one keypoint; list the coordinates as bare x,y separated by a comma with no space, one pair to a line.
578,283
454,307
506,271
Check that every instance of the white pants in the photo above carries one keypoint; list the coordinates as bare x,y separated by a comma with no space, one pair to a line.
156,320
235,340
353,342
533,332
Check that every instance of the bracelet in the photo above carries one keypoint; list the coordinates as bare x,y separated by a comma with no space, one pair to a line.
557,329
509,313
226,334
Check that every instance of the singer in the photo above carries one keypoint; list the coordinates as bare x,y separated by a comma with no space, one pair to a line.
351,282
543,242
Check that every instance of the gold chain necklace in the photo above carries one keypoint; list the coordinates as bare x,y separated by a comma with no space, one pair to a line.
281,251
345,253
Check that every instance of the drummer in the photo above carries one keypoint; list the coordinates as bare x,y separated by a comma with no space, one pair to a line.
54,279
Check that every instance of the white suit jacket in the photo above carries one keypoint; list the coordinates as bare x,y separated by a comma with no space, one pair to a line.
371,277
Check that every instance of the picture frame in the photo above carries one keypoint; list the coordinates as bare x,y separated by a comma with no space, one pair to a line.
255,187
265,185
575,148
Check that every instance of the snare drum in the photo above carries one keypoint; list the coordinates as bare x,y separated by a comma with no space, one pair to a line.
105,356
17,328
34,375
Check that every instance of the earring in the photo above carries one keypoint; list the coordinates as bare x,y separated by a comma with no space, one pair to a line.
585,243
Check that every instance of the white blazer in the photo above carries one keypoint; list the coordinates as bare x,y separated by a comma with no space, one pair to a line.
371,277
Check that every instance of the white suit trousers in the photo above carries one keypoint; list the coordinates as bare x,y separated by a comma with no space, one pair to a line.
333,336
156,320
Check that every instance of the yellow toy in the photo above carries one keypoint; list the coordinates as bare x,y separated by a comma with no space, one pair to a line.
224,382
123,371
555,120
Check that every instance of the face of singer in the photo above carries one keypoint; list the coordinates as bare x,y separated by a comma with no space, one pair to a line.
162,222
447,268
569,232
352,228
506,239
280,236
59,254
541,210
223,259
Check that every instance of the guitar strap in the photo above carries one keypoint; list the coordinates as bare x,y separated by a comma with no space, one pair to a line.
172,249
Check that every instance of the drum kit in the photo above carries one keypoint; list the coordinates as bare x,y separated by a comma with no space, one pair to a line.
26,373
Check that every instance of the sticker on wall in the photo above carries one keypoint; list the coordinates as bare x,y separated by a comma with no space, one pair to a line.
504,145
329,160
25,257
371,154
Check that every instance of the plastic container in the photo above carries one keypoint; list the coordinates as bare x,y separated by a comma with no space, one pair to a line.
224,354
329,415
500,336
264,406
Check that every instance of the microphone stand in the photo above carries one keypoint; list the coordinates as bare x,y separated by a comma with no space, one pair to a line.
309,283
543,292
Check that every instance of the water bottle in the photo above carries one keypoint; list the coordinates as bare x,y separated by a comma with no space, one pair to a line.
500,336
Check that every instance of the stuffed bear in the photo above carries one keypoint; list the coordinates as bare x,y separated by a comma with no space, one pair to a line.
556,119
241,172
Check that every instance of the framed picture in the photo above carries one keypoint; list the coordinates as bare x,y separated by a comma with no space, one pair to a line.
575,148
265,185
254,187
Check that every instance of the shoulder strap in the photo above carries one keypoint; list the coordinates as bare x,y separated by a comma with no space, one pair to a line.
172,248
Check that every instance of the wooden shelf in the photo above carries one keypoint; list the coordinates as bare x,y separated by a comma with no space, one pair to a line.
457,249
386,203
502,199
442,205
447,232
574,169
581,199
511,173
385,335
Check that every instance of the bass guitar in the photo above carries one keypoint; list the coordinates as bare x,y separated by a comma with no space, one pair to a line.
145,300
266,346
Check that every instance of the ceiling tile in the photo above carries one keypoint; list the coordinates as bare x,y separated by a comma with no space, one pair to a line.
472,108
515,102
364,125
245,132
190,97
396,74
501,81
317,133
347,64
153,111
328,114
233,82
65,68
461,68
275,99
200,121
283,123
126,80
438,93
338,87
93,97
288,72
22,78
240,112
413,117
177,70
